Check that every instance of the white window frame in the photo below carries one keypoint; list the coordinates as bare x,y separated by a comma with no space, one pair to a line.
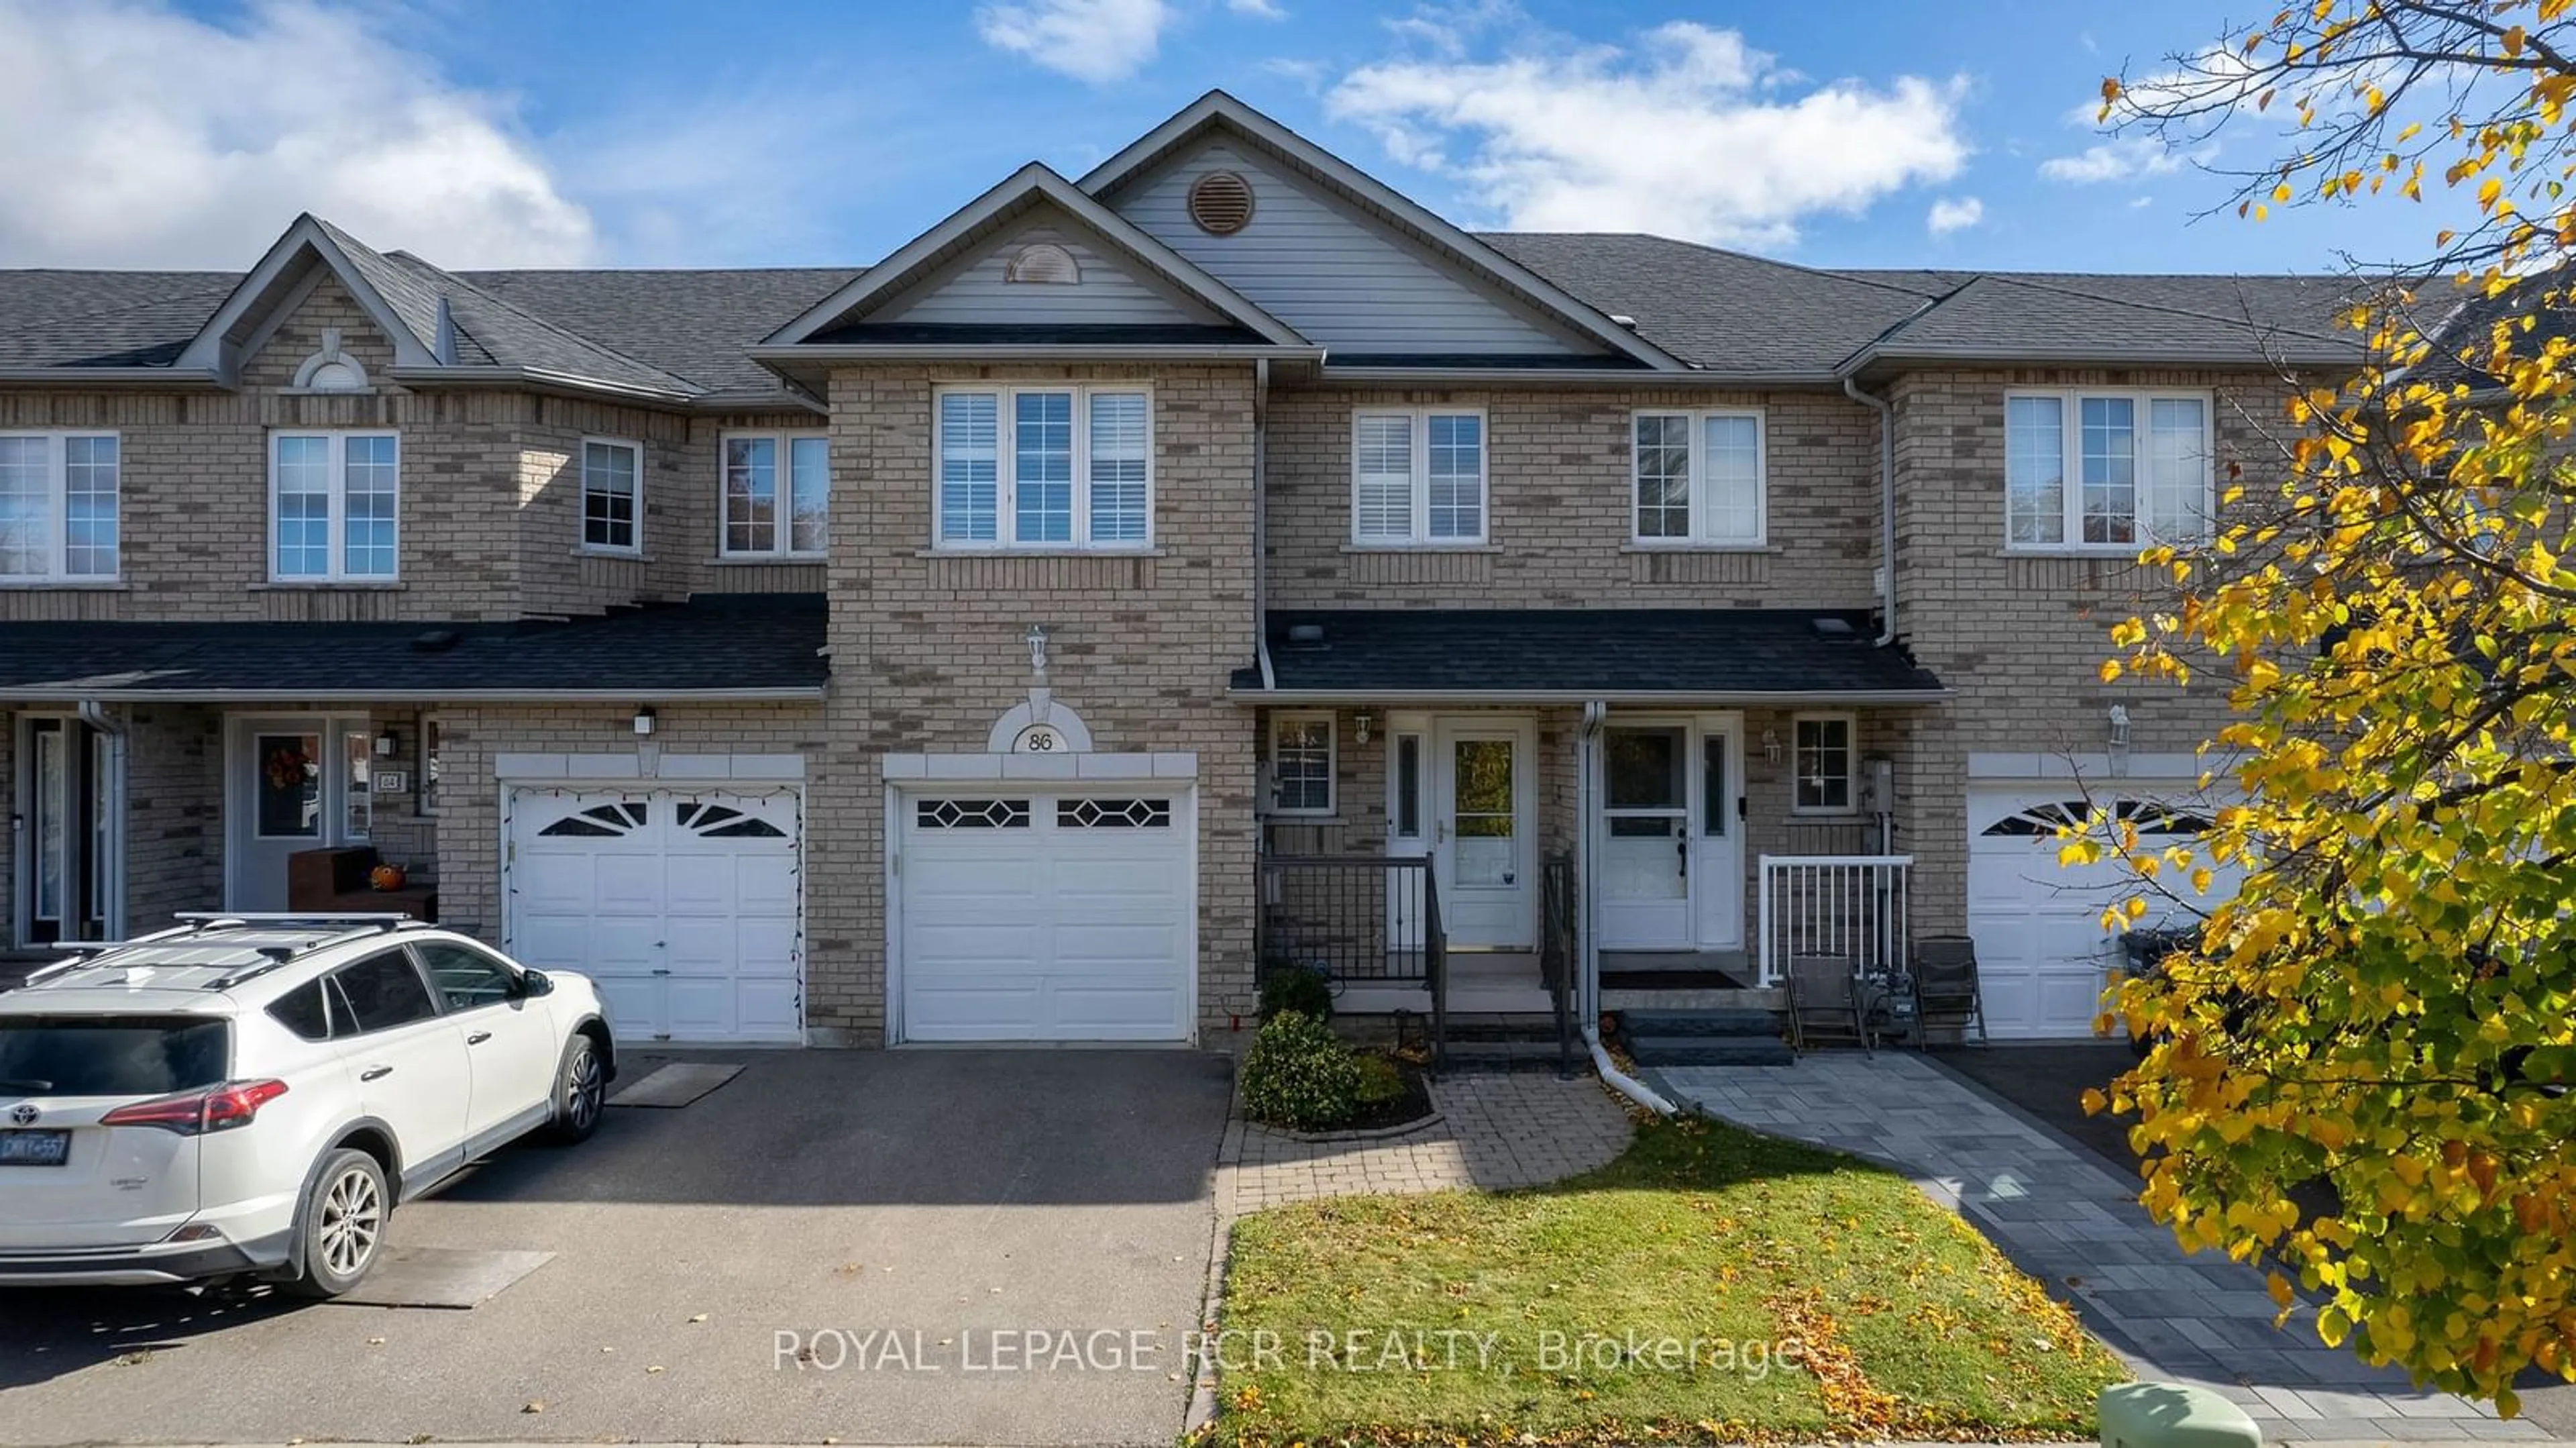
2070,415
581,465
337,516
1851,762
58,502
426,750
1332,762
1006,520
1418,533
1701,510
783,526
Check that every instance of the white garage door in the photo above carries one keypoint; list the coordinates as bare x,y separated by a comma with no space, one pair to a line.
2041,950
1037,915
683,905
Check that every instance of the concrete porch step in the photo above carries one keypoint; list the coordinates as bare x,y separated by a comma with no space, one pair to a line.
1710,1051
1701,1023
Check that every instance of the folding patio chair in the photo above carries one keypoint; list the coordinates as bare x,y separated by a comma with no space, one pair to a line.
1825,1004
1945,987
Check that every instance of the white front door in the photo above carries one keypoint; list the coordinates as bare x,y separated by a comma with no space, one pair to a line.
67,877
684,906
1671,860
295,784
1483,854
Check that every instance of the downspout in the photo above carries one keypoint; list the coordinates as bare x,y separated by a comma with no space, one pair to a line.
1587,949
1886,505
94,714
1260,527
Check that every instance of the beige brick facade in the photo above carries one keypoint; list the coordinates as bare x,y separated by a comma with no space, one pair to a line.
928,649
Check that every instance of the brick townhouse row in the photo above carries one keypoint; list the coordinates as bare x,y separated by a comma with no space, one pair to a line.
1215,562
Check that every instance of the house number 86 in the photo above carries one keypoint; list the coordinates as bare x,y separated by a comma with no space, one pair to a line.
1038,739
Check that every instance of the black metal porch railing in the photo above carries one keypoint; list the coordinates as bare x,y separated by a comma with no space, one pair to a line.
1357,920
1558,965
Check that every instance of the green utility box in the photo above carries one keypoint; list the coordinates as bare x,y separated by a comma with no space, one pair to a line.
2165,1415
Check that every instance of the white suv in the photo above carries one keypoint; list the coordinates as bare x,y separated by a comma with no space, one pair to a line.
253,1094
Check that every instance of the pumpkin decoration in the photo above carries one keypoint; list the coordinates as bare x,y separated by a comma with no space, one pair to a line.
386,877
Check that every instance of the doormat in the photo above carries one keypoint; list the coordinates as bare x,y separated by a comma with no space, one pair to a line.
677,1084
449,1277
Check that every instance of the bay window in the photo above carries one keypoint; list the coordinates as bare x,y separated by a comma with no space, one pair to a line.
1417,477
2104,469
1699,477
777,495
334,506
58,506
1056,467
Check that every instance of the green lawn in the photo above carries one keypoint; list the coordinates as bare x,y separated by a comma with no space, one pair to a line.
1645,1302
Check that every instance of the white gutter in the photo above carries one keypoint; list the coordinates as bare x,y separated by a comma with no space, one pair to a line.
1610,377
539,378
1399,697
111,377
1260,516
1886,505
96,717
42,693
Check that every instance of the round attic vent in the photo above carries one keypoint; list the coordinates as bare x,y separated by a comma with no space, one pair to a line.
1044,264
1221,203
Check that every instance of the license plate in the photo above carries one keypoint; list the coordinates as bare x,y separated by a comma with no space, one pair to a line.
35,1148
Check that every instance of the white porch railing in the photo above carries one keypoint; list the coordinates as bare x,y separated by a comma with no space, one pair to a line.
1849,907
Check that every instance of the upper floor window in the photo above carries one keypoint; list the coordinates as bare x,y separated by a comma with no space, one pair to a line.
2106,469
1699,477
58,505
777,494
333,501
1045,467
1417,476
612,495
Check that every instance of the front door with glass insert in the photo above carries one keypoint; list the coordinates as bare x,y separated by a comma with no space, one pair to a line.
64,888
297,784
1481,848
1670,862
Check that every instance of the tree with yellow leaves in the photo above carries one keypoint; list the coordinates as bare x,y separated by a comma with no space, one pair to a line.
2388,1005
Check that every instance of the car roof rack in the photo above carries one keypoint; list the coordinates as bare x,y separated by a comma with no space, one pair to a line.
379,920
355,926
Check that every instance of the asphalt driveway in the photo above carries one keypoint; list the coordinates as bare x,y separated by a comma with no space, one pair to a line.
917,1220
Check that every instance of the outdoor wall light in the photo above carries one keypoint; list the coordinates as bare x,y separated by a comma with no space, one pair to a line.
644,721
1771,745
1361,723
385,744
2119,726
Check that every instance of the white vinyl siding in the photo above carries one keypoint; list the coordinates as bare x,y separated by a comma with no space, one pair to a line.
983,294
1699,477
58,506
777,495
1417,477
1341,278
612,495
2117,471
1044,468
334,506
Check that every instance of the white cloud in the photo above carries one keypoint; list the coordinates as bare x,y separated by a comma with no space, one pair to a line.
1954,213
1091,40
2119,159
1257,9
1692,133
134,136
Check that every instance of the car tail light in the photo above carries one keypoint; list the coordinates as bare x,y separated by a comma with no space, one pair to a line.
195,1113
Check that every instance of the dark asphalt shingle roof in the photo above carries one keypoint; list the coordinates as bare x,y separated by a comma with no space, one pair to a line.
713,642
1614,653
51,318
693,324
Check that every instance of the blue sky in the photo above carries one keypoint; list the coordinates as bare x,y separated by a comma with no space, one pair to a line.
680,132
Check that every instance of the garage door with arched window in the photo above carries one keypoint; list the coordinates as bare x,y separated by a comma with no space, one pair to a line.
2042,953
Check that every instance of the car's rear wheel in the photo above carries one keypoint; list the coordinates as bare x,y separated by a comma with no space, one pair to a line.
581,1092
345,1216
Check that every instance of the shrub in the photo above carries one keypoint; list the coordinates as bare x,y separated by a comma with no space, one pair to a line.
1291,986
1298,1074
1380,1081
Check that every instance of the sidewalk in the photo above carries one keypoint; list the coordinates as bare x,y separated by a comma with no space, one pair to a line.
2058,1214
